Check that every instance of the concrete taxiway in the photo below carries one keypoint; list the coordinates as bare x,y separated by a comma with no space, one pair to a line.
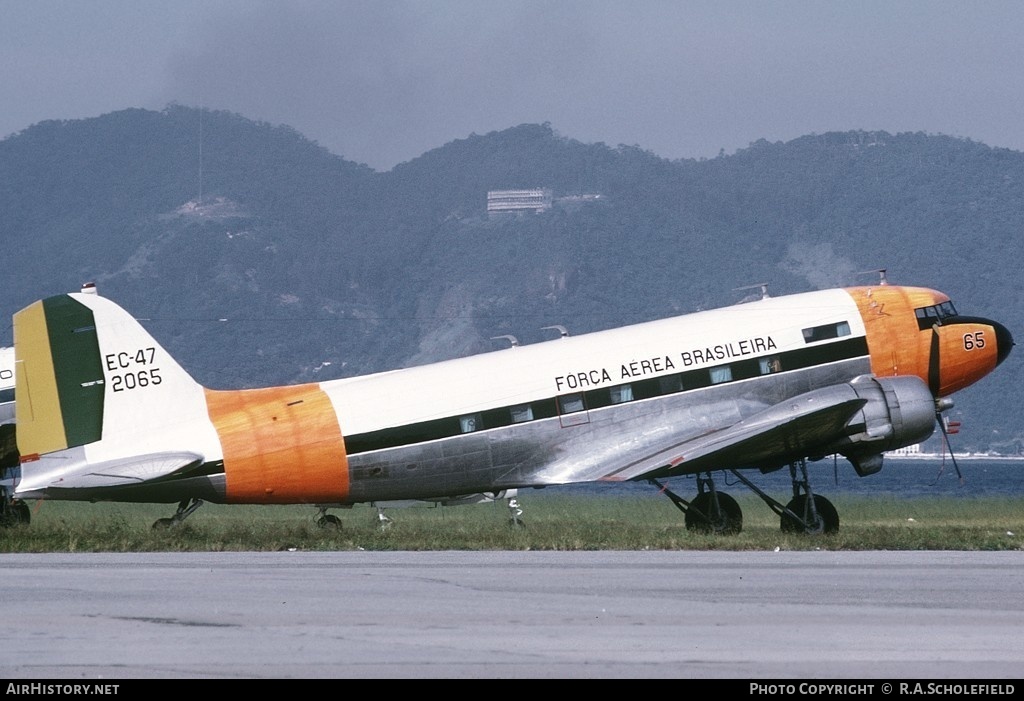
501,615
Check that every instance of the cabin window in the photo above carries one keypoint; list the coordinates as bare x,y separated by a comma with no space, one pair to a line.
521,413
470,423
544,408
670,384
620,394
826,331
722,374
770,364
571,403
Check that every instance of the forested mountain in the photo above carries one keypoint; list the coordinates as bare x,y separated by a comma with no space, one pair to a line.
259,257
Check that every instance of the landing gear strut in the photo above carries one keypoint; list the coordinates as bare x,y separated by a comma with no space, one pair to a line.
710,511
807,512
185,509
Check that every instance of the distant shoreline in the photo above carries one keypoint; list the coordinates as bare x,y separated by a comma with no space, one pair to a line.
938,457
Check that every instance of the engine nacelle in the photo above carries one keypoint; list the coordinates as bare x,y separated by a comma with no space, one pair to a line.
900,411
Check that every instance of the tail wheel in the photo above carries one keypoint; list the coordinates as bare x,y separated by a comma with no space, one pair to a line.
330,522
823,519
15,513
704,517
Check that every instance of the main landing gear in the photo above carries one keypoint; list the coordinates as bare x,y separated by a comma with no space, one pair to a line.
185,509
806,512
712,511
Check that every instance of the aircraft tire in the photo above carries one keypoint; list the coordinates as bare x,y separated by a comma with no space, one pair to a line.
827,521
16,513
700,515
329,521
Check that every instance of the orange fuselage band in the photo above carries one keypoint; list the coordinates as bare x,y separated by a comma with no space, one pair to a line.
282,445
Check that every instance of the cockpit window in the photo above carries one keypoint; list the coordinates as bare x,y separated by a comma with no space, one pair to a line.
930,316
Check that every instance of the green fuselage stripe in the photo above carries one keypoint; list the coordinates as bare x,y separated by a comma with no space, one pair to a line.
77,367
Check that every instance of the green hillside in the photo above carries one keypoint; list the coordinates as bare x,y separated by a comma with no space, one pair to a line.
260,257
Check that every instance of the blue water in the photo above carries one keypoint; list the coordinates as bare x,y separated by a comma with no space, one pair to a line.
899,478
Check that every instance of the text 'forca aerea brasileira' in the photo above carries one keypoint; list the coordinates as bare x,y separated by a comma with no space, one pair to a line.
595,377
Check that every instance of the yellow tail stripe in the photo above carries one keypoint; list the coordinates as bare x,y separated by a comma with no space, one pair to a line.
37,402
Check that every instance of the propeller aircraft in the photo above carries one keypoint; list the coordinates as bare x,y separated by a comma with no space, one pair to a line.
104,413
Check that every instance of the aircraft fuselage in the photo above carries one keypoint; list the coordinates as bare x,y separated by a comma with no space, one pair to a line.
693,393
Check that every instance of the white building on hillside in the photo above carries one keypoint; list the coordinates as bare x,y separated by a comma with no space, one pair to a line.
534,200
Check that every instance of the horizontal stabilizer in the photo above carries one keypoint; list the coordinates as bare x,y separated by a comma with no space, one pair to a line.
128,471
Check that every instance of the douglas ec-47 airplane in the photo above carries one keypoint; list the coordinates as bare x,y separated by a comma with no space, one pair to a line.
103,413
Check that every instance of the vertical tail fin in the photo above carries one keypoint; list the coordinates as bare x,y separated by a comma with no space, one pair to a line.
87,373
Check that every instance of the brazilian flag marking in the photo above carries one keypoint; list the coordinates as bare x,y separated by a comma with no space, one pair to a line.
59,376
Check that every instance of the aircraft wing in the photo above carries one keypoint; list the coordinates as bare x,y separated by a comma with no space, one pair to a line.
778,435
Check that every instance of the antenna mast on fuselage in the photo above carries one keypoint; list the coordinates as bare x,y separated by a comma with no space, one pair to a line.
763,286
878,271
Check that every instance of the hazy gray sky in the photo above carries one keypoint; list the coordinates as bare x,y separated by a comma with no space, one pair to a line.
382,81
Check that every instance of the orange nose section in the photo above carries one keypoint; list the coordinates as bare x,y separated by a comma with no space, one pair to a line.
964,350
948,353
896,342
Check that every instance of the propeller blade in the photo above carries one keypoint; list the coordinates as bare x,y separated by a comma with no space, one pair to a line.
934,377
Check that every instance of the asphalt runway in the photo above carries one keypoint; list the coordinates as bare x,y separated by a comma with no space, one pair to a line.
522,615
